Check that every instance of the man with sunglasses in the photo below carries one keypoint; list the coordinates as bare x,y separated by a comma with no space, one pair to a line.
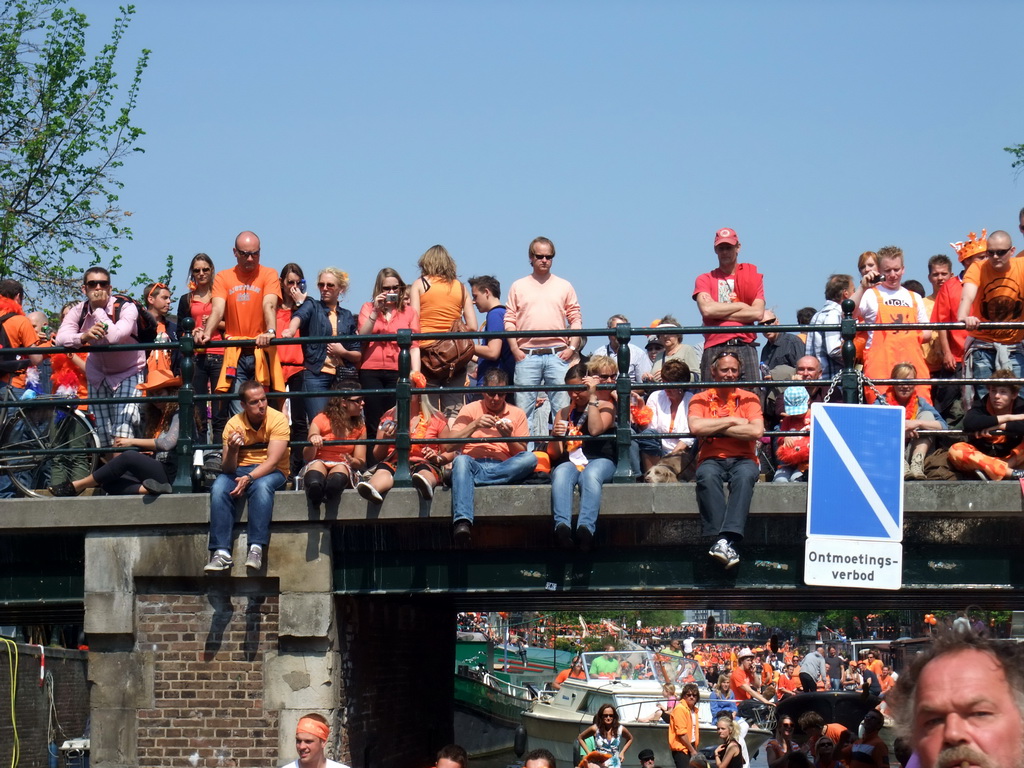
91,324
245,297
542,301
993,292
684,726
729,423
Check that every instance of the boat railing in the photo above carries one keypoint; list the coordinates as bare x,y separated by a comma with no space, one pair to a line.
509,689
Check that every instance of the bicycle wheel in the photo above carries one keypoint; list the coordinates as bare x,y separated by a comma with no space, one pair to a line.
32,432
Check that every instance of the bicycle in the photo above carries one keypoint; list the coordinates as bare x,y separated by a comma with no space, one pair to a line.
31,429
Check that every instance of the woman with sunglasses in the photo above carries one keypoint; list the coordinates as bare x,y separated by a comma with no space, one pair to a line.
590,463
780,748
334,362
290,356
330,467
610,736
388,312
198,304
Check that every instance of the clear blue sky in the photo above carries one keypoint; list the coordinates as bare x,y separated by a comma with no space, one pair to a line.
359,134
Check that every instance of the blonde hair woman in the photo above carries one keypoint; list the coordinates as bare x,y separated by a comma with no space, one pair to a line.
919,416
440,299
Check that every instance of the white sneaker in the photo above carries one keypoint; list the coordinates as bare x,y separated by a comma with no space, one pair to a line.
424,486
219,561
255,559
724,553
369,493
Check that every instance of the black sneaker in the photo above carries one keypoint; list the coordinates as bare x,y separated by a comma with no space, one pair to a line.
63,489
155,487
463,534
563,536
584,539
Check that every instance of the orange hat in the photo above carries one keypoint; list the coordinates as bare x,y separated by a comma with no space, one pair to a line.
594,757
159,378
972,246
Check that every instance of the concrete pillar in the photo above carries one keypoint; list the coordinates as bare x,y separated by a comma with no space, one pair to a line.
210,670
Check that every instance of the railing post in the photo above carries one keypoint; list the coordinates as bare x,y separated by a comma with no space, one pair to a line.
403,391
848,329
623,390
186,408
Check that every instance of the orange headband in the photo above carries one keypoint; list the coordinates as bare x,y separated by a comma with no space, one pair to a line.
309,725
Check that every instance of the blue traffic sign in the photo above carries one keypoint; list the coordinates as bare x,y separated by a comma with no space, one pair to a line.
855,488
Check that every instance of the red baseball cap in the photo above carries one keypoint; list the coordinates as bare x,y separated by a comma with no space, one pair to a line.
726,235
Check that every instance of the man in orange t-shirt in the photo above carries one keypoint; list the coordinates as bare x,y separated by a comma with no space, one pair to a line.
246,298
993,292
487,461
729,423
684,727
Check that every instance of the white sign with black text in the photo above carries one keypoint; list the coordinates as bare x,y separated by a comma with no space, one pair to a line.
836,562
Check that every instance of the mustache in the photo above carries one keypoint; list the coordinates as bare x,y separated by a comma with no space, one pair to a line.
955,756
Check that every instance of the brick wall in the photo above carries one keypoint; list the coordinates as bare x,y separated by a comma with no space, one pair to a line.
32,704
208,654
397,655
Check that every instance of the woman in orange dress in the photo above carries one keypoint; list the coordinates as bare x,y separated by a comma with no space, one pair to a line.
330,467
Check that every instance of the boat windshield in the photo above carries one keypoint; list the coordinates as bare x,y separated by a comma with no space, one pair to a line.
644,665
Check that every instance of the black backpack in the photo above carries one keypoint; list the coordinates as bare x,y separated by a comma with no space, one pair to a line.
8,363
145,326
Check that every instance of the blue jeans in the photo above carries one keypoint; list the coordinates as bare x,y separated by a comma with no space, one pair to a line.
787,473
6,486
468,473
540,371
314,382
980,363
245,369
260,494
719,517
565,477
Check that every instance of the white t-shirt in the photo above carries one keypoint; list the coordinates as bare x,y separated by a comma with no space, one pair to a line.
663,420
330,764
868,308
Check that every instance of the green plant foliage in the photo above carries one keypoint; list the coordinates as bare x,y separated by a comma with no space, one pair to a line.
64,133
1018,154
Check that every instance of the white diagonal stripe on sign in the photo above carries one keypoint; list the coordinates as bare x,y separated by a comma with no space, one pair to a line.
851,463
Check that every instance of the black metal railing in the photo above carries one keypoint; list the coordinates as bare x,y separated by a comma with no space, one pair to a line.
849,381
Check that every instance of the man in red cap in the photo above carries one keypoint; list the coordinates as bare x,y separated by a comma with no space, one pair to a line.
729,296
310,738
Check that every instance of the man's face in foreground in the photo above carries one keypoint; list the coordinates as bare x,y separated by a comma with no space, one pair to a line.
965,713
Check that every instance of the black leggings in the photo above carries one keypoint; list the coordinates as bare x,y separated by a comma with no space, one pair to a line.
122,475
374,406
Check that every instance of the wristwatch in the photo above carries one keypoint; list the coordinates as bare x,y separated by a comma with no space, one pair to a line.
272,331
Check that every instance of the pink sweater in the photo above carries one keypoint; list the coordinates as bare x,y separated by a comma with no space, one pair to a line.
536,306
